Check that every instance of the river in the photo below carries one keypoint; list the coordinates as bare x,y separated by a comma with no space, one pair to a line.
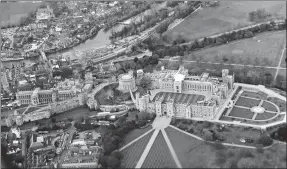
102,38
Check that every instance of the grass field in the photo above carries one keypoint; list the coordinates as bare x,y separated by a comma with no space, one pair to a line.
246,102
132,154
12,12
76,114
159,155
282,72
135,134
228,15
268,106
264,116
270,47
187,149
252,95
242,113
194,153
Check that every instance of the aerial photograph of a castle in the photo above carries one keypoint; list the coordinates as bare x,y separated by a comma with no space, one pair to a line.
143,84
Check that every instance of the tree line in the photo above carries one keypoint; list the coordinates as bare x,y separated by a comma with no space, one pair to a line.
178,49
128,10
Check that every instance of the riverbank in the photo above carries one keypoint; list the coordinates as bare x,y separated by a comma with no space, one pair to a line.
80,41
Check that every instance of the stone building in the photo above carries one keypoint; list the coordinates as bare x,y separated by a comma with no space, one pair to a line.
127,82
175,93
45,13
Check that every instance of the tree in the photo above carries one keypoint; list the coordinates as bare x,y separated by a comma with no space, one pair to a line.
207,135
143,115
53,120
136,59
113,162
145,82
247,163
67,72
265,140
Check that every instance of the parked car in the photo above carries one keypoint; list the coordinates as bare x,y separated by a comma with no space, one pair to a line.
247,140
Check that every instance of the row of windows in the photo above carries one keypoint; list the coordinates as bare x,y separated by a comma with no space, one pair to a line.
45,95
24,96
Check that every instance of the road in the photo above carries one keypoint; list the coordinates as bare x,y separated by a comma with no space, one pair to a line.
279,67
64,152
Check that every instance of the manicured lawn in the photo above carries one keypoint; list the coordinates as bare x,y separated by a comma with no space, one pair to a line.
282,72
12,12
135,134
186,149
264,116
227,16
242,113
159,155
132,154
252,95
76,114
246,102
268,106
280,103
204,155
270,47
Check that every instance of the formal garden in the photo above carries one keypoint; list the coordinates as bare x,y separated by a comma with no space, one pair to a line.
251,112
241,113
246,102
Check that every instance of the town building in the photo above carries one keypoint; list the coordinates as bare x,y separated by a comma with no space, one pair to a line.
175,93
64,90
45,13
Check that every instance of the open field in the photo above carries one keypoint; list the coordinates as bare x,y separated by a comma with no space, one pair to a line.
227,16
246,102
282,72
194,153
185,147
159,155
11,13
268,106
242,113
264,116
269,47
132,154
135,134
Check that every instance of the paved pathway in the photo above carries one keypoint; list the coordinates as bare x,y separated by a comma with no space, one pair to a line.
161,122
279,67
147,149
174,156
